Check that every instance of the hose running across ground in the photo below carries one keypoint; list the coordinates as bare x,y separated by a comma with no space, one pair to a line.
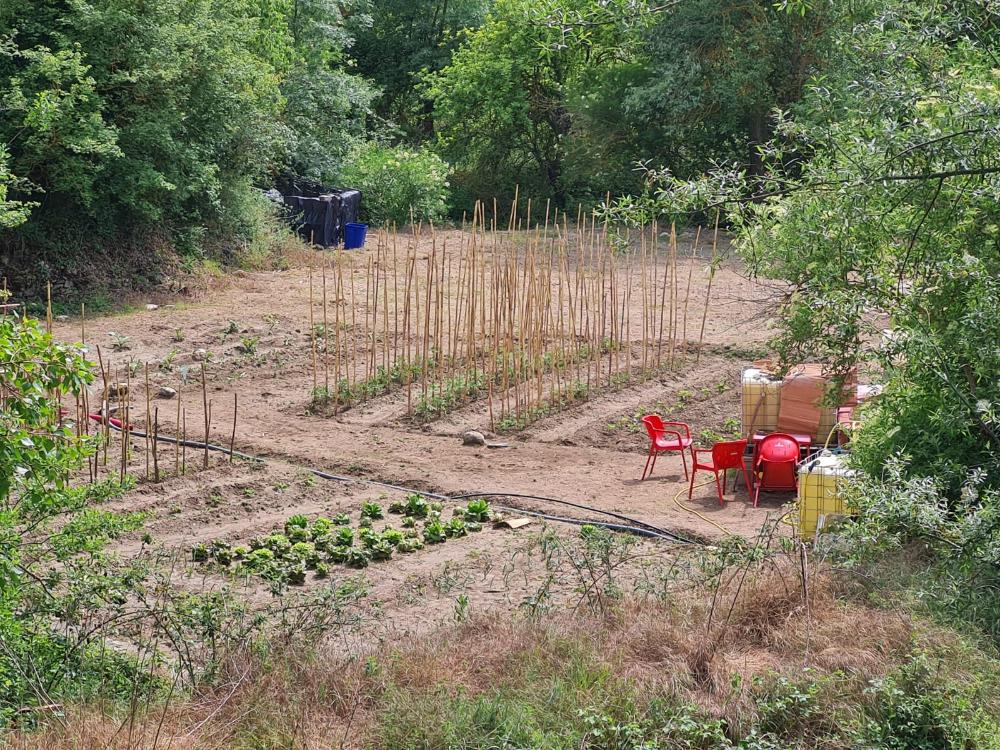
630,525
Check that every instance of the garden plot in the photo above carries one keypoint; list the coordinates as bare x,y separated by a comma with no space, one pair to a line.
357,388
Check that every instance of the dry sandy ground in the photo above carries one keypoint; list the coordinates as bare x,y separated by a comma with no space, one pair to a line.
591,452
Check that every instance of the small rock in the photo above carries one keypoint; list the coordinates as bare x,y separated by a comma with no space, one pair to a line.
152,307
166,392
200,355
118,390
473,437
62,318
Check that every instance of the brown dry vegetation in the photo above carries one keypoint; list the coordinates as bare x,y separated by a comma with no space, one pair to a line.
763,628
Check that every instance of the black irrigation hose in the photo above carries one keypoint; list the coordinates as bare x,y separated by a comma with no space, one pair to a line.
633,526
654,530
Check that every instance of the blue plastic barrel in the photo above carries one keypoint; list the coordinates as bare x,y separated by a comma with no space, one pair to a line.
354,236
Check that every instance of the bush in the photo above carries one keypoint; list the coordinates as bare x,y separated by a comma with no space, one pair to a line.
57,588
956,545
394,181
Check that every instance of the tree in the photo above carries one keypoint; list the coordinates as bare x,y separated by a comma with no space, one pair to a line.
715,71
404,41
327,104
12,212
500,106
148,125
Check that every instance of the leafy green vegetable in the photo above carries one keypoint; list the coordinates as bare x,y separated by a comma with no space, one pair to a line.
478,510
409,545
392,536
279,544
321,527
297,521
358,557
298,534
339,554
434,532
296,573
416,506
344,537
371,510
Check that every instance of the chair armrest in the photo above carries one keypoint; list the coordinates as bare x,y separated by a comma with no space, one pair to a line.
687,429
670,432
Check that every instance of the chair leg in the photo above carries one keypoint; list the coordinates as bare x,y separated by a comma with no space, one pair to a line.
756,494
718,487
653,466
694,470
684,463
646,467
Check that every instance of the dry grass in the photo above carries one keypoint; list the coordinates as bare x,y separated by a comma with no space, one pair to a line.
761,627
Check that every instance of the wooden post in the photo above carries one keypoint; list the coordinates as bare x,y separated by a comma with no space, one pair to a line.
232,439
208,418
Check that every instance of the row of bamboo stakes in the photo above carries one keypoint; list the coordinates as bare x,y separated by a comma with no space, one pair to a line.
116,388
529,318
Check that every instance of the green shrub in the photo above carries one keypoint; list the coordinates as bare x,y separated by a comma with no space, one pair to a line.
52,532
394,181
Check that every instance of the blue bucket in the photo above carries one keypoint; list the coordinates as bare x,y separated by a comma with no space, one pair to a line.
354,236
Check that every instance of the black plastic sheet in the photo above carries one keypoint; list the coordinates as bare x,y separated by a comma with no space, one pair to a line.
319,213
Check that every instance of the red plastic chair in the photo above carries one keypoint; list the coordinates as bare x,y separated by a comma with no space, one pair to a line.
665,440
776,465
724,456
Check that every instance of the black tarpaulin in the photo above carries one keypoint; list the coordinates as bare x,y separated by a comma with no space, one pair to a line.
319,214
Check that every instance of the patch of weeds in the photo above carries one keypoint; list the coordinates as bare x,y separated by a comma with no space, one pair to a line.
249,345
732,426
119,341
167,364
709,437
461,611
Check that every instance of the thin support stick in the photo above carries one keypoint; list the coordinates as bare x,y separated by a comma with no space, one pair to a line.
236,405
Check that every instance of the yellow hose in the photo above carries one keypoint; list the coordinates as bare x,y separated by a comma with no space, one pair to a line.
692,511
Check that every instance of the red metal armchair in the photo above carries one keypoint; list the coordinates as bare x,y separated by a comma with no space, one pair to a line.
724,456
663,439
775,467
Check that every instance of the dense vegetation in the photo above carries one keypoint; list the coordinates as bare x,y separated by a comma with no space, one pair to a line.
878,205
852,148
131,133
